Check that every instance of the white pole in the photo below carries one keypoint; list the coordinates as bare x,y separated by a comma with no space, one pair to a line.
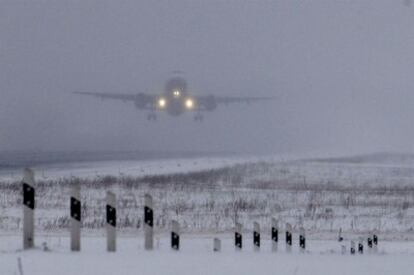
28,208
256,236
375,242
238,237
340,238
275,234
111,221
288,237
361,245
148,222
369,244
217,245
302,240
75,218
175,235
352,247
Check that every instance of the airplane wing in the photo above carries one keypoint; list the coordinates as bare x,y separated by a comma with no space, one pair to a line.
210,102
123,97
142,101
228,99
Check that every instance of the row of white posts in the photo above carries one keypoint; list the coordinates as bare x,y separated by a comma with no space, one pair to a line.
75,215
238,237
358,246
76,220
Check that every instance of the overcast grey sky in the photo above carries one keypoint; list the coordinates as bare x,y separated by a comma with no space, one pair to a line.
343,72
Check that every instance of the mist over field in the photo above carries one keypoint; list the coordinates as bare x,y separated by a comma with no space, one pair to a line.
312,136
341,72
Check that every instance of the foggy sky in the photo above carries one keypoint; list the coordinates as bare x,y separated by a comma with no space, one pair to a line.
343,73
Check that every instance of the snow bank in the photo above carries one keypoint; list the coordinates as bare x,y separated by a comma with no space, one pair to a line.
197,257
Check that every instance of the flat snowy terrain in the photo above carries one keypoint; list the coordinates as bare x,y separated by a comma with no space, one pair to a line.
207,196
136,168
197,257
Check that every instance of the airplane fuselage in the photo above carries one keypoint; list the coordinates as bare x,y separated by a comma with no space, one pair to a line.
176,99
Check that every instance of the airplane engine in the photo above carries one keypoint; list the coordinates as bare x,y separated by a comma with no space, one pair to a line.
141,101
211,103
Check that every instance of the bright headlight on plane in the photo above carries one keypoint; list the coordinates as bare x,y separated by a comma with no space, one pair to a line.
189,103
176,93
162,102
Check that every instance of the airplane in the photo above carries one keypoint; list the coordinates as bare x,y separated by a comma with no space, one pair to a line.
175,100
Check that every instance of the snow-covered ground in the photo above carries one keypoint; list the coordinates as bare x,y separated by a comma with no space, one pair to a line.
207,196
135,168
197,257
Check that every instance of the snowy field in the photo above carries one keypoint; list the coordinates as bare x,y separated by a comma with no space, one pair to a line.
207,196
119,168
210,195
197,257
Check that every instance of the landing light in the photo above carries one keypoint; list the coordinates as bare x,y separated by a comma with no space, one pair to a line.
189,103
176,93
162,102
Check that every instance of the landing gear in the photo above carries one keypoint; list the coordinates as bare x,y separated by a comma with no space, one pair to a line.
198,117
151,117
